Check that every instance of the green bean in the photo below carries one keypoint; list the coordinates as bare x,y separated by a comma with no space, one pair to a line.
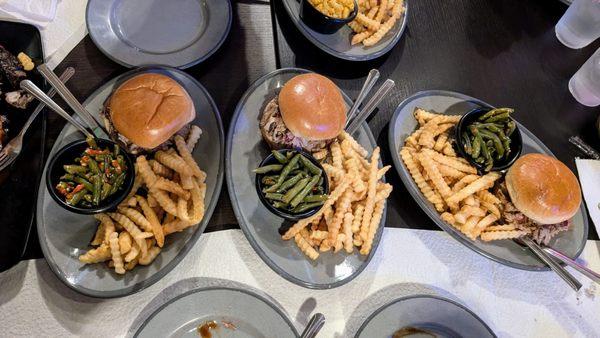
480,160
97,190
93,166
279,157
77,197
315,198
499,117
510,127
121,162
467,143
485,151
290,183
89,186
92,143
279,205
68,177
284,173
116,150
107,165
496,142
290,194
505,141
477,141
304,192
117,184
494,112
106,188
87,197
274,196
267,168
310,166
297,171
289,154
74,169
268,181
306,206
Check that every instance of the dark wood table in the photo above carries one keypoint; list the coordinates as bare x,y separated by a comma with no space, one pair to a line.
503,52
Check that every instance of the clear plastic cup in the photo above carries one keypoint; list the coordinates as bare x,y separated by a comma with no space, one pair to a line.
585,84
580,25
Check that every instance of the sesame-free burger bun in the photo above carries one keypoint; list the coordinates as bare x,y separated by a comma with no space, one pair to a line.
312,107
543,189
150,108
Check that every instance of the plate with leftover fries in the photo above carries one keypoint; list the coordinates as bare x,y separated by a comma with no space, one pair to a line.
482,208
376,28
335,241
171,129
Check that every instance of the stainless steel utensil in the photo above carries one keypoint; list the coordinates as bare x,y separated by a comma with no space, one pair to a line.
557,268
584,147
13,148
69,98
573,263
365,90
314,325
371,105
40,95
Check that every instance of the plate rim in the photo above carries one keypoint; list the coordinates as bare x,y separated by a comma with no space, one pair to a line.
262,298
236,208
184,66
420,296
306,33
398,164
152,279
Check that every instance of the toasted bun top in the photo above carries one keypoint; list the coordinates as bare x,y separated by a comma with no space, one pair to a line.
543,189
312,107
149,108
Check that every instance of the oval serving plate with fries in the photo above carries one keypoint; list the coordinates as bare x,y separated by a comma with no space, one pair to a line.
68,239
268,234
403,124
378,32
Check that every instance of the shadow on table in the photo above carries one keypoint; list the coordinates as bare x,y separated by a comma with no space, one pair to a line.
540,288
11,281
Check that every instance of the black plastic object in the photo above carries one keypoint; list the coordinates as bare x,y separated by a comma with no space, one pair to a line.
282,213
66,155
323,23
19,182
516,142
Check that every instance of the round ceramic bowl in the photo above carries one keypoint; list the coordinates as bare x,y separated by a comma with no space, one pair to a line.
516,142
66,155
323,23
283,213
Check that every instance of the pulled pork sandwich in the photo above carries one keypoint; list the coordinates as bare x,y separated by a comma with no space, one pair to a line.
145,113
544,196
308,113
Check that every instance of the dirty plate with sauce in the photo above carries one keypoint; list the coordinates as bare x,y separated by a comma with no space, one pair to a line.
218,312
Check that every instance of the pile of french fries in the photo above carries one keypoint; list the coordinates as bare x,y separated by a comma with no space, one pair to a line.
339,9
374,20
135,233
351,215
450,183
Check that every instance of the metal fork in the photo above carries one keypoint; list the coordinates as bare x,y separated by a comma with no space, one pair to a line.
13,148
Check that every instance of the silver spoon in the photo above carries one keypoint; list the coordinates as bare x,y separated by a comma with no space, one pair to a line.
314,325
371,105
40,95
573,263
366,88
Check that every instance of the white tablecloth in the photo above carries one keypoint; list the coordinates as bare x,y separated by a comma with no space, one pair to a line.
515,303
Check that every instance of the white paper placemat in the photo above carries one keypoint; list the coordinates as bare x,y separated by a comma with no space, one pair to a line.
589,176
515,303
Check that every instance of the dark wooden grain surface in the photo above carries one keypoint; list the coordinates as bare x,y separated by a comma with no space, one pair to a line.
502,52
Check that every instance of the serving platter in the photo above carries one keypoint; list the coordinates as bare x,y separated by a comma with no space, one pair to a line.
338,43
507,252
245,150
64,235
146,32
251,314
440,316
22,177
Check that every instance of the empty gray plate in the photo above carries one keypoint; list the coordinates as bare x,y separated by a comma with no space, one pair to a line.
440,316
176,33
338,43
252,315
64,235
506,252
245,150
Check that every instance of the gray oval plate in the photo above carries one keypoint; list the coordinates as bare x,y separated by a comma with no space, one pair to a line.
176,33
245,150
506,252
64,235
438,315
253,315
338,43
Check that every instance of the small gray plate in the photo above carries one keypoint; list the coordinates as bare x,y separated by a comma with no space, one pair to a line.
338,43
507,252
441,316
253,316
64,235
176,33
245,150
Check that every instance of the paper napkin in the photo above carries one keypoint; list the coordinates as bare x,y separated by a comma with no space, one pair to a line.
36,12
589,177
